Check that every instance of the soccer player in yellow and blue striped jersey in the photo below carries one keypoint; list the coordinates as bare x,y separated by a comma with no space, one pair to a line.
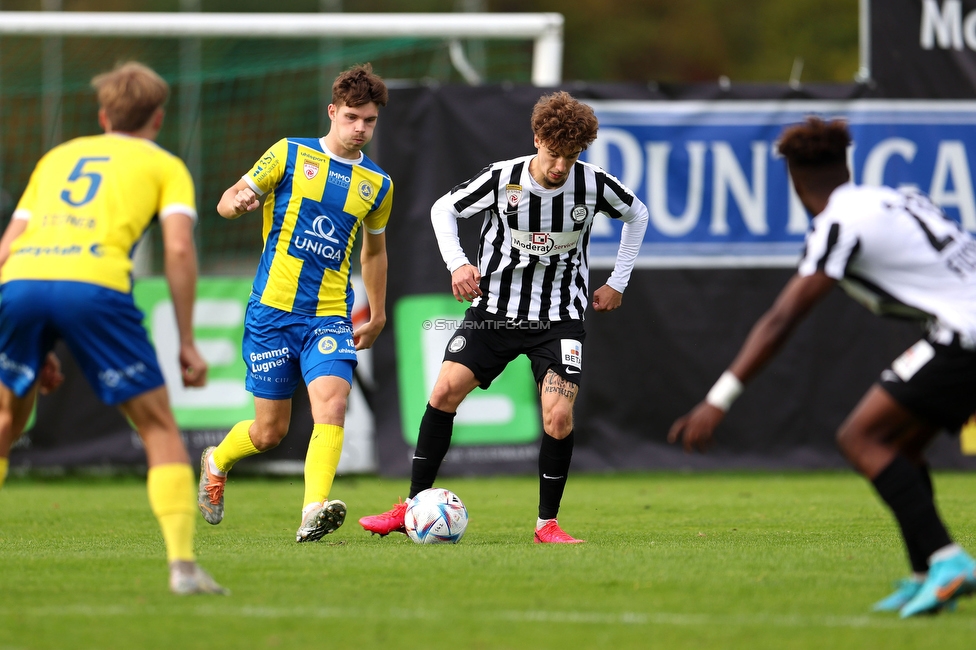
66,274
318,193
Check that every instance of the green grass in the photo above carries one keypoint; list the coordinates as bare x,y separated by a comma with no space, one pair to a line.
672,561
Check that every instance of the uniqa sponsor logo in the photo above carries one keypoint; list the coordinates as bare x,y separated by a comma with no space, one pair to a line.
323,228
318,248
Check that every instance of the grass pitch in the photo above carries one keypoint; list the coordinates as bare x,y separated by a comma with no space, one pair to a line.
672,561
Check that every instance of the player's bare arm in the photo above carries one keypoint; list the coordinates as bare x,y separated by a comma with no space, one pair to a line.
180,261
237,200
374,262
465,283
767,336
606,298
14,229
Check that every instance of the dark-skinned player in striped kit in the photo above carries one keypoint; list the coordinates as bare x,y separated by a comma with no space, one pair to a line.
897,253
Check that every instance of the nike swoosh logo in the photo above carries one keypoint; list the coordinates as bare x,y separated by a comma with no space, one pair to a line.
947,592
570,371
419,458
554,478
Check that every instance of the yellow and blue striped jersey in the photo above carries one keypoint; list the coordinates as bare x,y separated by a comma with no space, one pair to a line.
315,205
88,202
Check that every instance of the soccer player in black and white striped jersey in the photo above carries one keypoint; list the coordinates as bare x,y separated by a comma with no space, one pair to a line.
898,254
528,291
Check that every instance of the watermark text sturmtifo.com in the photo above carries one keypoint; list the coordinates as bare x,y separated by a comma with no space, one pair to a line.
454,324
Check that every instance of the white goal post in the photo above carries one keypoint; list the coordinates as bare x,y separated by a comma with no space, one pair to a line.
544,29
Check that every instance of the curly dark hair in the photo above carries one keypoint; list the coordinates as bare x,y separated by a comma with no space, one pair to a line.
563,124
358,86
815,143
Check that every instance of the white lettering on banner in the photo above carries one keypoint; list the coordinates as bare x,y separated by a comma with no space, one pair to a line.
727,175
952,168
545,243
717,190
658,154
627,146
877,159
945,28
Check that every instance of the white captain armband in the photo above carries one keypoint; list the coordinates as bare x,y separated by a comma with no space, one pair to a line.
725,391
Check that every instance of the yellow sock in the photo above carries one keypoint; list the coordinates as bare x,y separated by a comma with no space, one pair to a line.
321,461
173,500
4,466
968,436
235,446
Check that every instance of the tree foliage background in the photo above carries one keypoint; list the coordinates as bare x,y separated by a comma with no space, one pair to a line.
623,40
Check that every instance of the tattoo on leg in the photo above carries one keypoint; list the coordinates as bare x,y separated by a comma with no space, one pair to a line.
553,383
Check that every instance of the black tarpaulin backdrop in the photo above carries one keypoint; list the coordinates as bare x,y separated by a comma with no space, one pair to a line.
921,50
646,364
653,359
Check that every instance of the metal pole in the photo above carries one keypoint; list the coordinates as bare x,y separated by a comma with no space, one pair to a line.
328,49
864,33
52,78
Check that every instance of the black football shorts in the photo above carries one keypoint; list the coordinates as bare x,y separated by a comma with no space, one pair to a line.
936,382
486,343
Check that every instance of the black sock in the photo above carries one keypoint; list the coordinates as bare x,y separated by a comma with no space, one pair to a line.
554,459
916,557
903,486
436,428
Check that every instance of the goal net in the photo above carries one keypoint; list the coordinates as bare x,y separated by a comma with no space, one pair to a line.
233,95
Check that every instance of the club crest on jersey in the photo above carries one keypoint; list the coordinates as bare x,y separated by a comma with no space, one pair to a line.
311,169
513,193
327,345
456,344
579,213
366,191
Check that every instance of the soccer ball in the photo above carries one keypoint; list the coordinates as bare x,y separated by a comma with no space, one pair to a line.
435,516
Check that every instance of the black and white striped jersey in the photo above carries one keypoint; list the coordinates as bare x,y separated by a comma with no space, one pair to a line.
898,254
533,248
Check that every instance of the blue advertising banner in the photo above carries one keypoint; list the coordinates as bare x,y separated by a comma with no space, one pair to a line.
717,190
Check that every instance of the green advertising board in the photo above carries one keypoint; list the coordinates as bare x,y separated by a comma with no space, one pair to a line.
505,414
218,326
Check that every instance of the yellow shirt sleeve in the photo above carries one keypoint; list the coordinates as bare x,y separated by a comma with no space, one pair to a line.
177,194
268,171
378,218
28,201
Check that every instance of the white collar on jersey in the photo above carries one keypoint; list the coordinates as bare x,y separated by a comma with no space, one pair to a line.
352,161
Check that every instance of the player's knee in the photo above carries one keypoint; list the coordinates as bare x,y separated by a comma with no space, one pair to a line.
331,410
445,397
849,439
558,422
267,436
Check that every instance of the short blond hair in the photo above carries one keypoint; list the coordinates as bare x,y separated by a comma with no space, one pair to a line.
130,94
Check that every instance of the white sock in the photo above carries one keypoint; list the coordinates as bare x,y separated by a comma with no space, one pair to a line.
944,553
213,467
542,522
